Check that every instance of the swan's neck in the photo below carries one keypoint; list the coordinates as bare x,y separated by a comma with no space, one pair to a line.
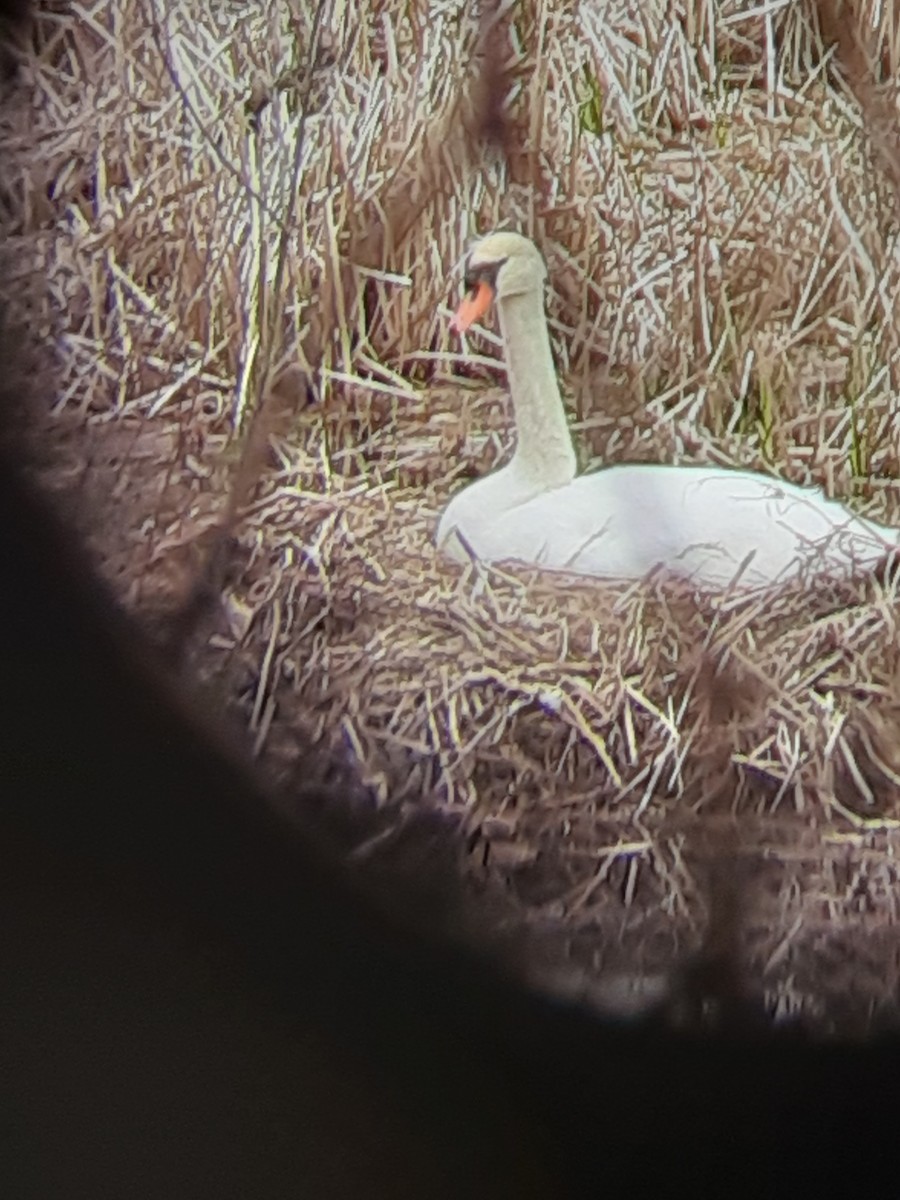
544,455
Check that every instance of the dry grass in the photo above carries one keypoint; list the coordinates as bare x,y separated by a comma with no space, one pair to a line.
240,208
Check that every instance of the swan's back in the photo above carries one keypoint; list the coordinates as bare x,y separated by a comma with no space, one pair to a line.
704,524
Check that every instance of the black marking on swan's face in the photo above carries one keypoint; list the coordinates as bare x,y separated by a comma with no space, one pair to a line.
483,272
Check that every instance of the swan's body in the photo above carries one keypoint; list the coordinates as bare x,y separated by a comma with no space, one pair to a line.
710,525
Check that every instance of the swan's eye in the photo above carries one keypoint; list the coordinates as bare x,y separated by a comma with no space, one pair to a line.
479,273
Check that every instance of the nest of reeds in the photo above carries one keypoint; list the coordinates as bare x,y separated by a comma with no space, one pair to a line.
249,224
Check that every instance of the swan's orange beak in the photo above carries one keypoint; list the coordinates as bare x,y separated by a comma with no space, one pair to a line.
473,306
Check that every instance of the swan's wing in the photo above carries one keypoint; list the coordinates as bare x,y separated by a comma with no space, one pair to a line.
713,527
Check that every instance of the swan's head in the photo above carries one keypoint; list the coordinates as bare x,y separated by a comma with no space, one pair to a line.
498,266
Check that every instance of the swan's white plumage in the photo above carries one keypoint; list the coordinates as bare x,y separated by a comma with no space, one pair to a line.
701,523
712,526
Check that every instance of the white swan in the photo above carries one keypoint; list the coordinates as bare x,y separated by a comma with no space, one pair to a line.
709,525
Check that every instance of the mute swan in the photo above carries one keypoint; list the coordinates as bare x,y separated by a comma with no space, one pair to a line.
712,526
